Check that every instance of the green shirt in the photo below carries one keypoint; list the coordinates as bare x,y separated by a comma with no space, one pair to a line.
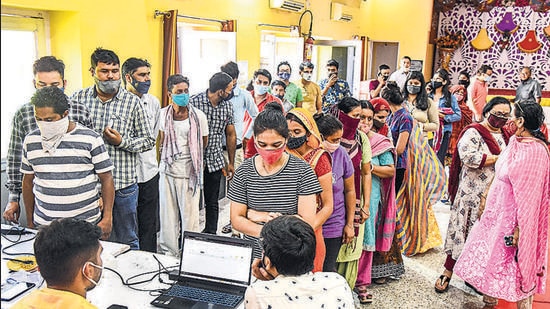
293,93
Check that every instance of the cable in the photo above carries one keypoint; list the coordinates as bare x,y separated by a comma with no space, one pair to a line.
17,242
156,273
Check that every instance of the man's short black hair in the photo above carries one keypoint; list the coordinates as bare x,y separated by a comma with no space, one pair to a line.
278,83
306,64
283,63
231,68
263,72
219,81
383,67
174,80
484,68
63,247
289,242
131,65
53,97
104,55
333,63
49,64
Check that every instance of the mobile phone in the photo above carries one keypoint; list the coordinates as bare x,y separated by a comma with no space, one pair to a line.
509,240
11,290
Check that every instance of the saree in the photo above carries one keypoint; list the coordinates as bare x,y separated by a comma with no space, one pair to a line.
425,180
519,197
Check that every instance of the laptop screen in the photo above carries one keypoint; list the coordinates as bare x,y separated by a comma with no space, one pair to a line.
216,257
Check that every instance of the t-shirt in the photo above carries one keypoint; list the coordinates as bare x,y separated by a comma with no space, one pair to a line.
293,93
274,193
312,95
342,168
400,121
66,181
51,298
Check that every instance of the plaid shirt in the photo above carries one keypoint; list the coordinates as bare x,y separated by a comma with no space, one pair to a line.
218,118
126,114
24,123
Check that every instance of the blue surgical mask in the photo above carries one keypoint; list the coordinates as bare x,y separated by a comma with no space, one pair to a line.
284,75
141,87
181,99
488,79
260,89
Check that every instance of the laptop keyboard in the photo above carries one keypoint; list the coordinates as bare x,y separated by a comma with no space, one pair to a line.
207,296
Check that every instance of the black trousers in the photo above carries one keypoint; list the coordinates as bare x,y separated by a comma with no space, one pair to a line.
211,205
148,214
332,247
442,152
399,177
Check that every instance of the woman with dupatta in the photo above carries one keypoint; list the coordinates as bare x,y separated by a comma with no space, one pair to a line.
471,173
305,142
348,111
459,92
380,226
386,263
505,254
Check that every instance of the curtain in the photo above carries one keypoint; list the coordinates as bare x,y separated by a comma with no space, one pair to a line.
170,51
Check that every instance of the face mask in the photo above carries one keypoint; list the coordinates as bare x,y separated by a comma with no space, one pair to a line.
436,84
488,79
141,87
260,90
306,76
95,283
364,127
296,142
496,122
229,96
406,70
459,97
464,83
270,156
377,123
412,89
331,147
62,89
385,77
107,86
281,97
284,75
52,132
181,99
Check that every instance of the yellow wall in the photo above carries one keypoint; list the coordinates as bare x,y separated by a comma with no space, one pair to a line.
129,28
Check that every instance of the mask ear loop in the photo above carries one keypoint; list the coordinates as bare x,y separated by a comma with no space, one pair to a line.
84,272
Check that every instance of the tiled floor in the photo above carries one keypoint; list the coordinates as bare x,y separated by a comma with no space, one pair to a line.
415,288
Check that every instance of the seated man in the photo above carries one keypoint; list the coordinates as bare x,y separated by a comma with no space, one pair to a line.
68,253
288,245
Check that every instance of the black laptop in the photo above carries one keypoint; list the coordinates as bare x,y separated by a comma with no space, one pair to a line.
214,273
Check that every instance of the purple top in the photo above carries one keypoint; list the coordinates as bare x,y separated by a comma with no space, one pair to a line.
342,168
400,121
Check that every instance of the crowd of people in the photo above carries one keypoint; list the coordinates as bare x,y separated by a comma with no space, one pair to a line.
362,176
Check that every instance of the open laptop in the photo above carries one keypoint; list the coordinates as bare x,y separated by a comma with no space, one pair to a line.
214,273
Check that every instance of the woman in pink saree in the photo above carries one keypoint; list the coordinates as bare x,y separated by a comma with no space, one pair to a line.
514,268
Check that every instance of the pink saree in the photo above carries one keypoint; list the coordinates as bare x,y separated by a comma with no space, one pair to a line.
519,197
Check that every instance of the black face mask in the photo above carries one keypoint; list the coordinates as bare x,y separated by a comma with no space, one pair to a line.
229,96
377,123
281,97
464,83
436,84
296,142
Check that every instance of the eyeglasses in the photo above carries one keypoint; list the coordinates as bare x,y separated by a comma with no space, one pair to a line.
501,115
520,109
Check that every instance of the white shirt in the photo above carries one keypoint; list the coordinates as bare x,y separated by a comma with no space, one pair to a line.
400,77
147,164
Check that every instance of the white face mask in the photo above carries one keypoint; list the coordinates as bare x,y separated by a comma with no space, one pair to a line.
52,132
95,283
307,76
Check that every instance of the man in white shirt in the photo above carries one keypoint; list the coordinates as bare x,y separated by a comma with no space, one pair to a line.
400,76
137,79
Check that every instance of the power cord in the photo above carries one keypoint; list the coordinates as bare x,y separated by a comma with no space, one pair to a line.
18,241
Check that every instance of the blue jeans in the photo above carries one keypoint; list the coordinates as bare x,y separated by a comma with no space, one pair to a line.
125,226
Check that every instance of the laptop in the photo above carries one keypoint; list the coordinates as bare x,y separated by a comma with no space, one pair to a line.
214,273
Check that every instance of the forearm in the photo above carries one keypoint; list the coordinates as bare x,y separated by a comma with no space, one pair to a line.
108,195
231,147
366,183
350,206
28,199
383,171
246,226
138,144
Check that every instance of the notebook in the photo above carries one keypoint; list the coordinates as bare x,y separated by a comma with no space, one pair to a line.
214,273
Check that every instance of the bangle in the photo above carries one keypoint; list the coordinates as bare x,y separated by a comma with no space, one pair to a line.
371,167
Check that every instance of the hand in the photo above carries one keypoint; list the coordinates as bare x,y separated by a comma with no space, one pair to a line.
112,136
229,171
12,212
381,80
106,225
441,115
244,142
100,203
259,272
515,240
332,80
481,207
349,233
365,214
261,216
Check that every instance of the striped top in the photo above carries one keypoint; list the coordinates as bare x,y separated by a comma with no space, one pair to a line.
274,193
66,182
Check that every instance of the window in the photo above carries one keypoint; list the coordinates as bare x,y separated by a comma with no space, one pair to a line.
23,41
274,49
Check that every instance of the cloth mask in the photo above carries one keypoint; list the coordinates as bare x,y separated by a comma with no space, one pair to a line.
52,132
436,84
107,86
413,89
307,76
385,77
270,156
284,75
181,99
229,96
464,83
296,142
496,121
331,147
95,283
364,127
459,97
260,89
141,87
281,97
377,123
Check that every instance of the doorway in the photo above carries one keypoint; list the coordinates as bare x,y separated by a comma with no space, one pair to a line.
383,53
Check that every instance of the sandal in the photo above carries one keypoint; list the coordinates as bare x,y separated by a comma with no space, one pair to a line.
490,302
227,228
364,296
380,280
444,281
